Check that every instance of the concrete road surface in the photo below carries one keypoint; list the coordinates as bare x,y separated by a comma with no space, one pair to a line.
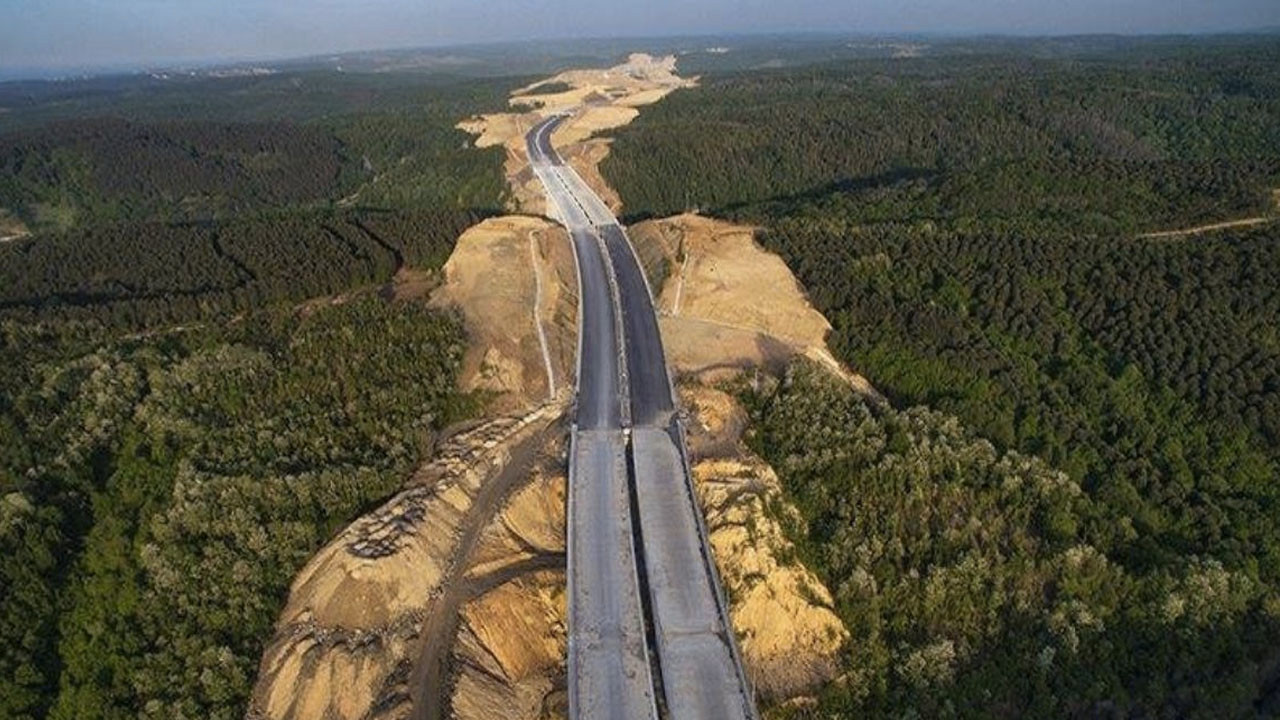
608,664
608,655
623,382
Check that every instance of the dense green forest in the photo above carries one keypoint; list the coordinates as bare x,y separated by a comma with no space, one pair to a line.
179,431
160,492
1085,351
199,168
140,274
980,582
215,149
1114,143
972,227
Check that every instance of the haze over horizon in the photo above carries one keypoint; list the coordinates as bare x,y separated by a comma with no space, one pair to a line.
87,33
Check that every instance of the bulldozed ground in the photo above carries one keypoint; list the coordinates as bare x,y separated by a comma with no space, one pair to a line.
504,274
599,100
448,601
726,305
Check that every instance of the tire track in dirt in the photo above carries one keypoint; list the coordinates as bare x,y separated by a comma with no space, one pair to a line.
440,629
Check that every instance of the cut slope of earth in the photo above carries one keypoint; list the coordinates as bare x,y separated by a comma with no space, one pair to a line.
390,618
355,635
791,638
449,600
598,100
502,274
726,304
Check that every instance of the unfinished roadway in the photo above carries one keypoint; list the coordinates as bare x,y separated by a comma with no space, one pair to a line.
649,634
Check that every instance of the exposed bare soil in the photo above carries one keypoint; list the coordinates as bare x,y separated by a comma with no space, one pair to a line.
782,613
360,634
448,601
726,304
493,278
598,100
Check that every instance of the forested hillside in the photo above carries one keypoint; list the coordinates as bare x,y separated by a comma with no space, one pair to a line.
161,492
106,166
1036,339
1112,143
179,430
972,227
224,148
141,274
980,582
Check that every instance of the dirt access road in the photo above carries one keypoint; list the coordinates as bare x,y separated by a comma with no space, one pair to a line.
1224,225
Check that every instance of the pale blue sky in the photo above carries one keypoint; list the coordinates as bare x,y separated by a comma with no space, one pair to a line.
99,32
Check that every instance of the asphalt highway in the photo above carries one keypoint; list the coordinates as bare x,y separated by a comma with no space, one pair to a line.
636,538
649,384
609,671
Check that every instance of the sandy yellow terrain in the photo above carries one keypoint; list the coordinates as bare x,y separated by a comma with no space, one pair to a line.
370,617
510,651
499,270
597,100
782,613
398,613
726,304
448,601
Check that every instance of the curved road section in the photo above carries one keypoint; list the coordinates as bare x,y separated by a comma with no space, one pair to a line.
641,576
608,665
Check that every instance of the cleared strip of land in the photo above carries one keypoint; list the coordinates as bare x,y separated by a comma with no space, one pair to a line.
1224,225
1199,229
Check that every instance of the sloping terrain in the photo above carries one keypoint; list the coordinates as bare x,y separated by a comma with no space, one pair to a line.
396,614
502,274
791,638
449,600
599,100
726,304
367,628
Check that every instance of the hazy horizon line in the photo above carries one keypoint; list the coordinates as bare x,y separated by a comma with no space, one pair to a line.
77,71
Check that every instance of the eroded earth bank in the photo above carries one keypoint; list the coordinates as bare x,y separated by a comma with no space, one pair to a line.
449,599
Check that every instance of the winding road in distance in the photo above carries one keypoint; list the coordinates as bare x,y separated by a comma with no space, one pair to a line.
648,622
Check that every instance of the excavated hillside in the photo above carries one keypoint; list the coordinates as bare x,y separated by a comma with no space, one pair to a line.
504,273
599,100
367,631
726,304
448,601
